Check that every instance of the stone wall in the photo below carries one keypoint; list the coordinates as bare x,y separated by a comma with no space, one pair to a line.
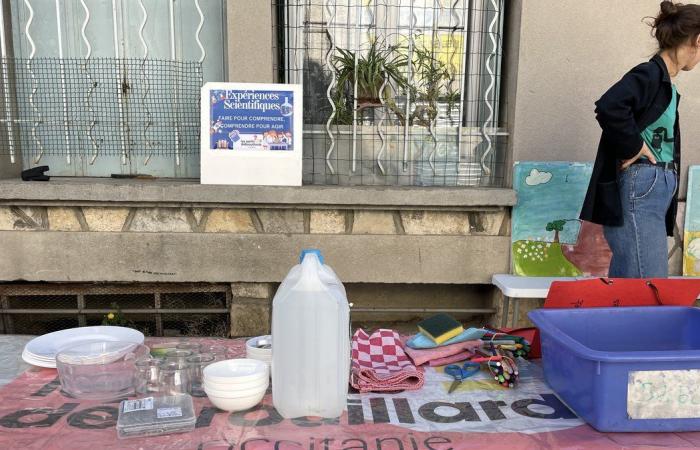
253,220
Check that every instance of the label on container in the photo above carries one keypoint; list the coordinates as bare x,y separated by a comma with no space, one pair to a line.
164,413
663,394
140,404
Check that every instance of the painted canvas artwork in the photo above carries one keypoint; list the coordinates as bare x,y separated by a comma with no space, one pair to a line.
691,240
548,238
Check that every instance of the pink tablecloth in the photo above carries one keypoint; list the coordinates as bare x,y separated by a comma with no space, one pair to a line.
34,414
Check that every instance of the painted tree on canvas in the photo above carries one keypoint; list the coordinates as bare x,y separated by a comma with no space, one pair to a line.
557,226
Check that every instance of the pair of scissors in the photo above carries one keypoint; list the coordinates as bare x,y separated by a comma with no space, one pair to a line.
461,373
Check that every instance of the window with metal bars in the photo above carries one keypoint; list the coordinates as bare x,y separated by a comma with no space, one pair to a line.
396,92
102,87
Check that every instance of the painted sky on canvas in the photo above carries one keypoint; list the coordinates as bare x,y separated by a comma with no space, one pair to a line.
554,191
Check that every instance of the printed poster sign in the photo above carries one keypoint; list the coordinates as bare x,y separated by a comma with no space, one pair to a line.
250,119
251,134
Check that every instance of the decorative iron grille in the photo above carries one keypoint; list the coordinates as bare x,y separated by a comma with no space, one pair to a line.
111,87
86,109
396,92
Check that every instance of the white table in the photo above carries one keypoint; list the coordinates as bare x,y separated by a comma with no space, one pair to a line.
514,286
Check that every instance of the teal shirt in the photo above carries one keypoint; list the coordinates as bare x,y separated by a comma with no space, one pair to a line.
659,135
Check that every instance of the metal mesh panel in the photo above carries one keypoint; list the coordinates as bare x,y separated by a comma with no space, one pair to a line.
154,309
99,107
396,92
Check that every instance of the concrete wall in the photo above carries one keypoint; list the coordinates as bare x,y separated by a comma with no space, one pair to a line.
570,52
249,39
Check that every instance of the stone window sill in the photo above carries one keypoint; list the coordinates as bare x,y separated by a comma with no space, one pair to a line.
178,193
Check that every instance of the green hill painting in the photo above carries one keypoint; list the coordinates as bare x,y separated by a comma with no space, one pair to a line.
548,237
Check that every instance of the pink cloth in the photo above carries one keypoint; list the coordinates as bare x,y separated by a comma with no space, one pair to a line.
450,359
379,363
422,356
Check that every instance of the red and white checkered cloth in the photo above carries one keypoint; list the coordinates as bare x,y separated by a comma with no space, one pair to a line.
379,363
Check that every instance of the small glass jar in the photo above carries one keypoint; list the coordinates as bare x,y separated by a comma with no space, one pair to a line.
177,355
194,347
175,379
197,363
147,377
220,352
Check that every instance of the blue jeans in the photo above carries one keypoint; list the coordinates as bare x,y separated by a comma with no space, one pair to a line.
639,247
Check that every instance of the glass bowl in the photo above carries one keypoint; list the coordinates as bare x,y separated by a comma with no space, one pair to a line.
99,370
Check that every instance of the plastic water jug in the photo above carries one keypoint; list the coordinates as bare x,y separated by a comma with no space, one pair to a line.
310,341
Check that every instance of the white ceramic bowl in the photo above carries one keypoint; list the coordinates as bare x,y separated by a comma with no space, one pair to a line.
255,355
266,358
237,404
235,394
248,386
234,371
252,343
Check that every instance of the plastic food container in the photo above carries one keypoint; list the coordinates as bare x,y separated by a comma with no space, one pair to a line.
99,370
153,416
625,369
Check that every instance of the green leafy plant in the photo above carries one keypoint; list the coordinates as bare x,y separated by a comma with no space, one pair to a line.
373,67
432,86
431,82
116,318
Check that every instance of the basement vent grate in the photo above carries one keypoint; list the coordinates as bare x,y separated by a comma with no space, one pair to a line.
154,309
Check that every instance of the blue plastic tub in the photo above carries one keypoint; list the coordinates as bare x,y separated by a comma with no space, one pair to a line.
594,357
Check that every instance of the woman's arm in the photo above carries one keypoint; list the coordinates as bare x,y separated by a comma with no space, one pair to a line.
615,111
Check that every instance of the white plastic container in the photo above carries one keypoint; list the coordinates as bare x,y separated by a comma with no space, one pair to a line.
311,336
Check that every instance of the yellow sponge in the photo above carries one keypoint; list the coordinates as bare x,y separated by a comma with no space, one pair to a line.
440,328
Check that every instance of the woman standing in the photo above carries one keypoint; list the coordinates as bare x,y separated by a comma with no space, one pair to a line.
633,188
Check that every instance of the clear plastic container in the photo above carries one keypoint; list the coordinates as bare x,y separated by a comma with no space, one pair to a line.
311,335
153,416
99,370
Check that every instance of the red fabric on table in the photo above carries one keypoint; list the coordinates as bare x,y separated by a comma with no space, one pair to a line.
423,356
612,292
530,334
379,363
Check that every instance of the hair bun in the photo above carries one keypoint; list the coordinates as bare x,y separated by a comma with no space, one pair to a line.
668,9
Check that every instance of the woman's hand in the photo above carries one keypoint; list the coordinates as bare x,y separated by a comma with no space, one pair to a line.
643,152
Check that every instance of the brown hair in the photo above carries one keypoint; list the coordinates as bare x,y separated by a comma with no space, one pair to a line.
676,24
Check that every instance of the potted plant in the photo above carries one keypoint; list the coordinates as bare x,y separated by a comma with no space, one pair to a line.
377,64
431,87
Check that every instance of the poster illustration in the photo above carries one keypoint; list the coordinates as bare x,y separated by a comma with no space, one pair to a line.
251,119
548,239
691,240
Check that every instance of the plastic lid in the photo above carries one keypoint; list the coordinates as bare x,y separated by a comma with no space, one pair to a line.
313,251
96,352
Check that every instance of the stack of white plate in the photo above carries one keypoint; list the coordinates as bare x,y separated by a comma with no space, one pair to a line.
259,348
236,384
41,351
